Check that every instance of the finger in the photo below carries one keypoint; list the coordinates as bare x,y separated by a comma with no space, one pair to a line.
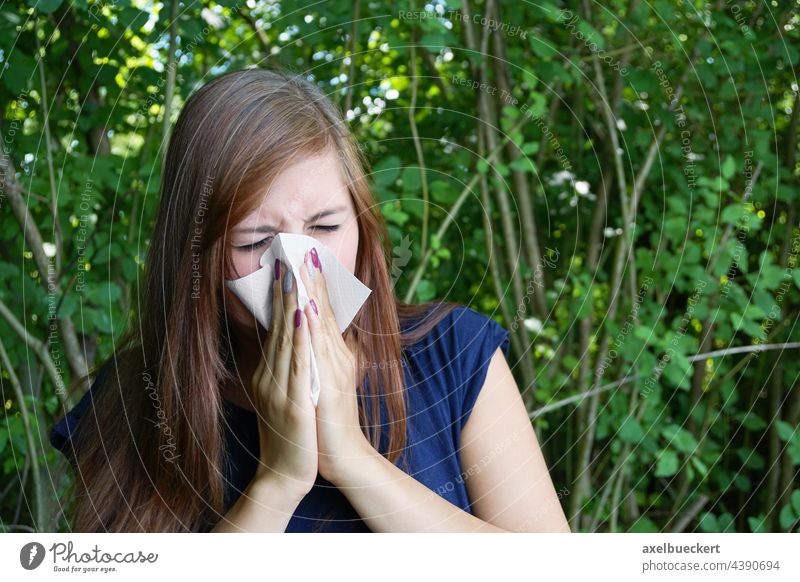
285,333
321,294
317,327
267,346
270,375
277,310
300,370
263,375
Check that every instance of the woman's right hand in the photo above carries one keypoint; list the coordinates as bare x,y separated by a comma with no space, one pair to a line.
282,393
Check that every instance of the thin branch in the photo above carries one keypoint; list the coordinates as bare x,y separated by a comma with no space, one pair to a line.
260,34
38,513
171,72
452,214
691,513
351,42
423,174
530,230
40,349
33,237
57,234
710,355
435,76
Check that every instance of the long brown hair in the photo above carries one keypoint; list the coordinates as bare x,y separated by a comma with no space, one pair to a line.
151,456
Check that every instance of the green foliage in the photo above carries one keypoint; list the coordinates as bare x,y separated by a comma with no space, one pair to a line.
716,227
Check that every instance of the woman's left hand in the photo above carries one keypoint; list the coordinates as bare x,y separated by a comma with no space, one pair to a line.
340,441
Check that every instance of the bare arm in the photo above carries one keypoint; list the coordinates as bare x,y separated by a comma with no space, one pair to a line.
390,500
507,478
266,505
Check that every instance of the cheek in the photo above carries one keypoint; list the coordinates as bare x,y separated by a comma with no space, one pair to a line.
244,263
347,248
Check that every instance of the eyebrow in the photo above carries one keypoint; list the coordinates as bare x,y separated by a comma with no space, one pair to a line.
266,228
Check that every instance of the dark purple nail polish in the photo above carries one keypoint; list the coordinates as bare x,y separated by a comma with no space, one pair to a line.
315,259
314,307
298,317
277,269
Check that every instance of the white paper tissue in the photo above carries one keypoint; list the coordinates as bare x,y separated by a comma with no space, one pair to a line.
346,293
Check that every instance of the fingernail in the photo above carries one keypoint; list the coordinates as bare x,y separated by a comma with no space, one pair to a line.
298,317
277,269
287,282
314,307
309,270
315,259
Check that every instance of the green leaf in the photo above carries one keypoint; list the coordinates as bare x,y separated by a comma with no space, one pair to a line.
796,501
523,165
537,105
394,214
426,290
787,517
709,523
752,421
677,373
443,192
630,431
129,269
644,525
699,465
590,35
51,404
532,147
412,181
134,18
19,71
728,167
541,47
104,293
667,464
732,213
757,524
45,6
749,326
786,431
680,438
387,170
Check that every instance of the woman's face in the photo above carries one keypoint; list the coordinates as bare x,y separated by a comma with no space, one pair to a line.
309,197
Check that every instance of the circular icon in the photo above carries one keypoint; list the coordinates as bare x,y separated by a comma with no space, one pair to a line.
31,555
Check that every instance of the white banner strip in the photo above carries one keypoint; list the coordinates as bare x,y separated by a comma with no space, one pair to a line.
390,557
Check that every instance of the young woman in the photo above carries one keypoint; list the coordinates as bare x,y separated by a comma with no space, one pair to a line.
202,420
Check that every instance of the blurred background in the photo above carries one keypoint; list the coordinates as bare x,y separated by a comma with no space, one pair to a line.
614,182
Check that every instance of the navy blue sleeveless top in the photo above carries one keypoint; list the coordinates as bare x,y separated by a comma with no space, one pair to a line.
444,373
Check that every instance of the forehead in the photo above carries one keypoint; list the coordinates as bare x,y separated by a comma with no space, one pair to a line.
303,188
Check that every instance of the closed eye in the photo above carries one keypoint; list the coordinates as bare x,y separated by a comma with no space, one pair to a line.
329,228
255,245
262,242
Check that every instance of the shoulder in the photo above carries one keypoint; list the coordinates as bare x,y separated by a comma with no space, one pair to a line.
460,330
456,353
463,334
